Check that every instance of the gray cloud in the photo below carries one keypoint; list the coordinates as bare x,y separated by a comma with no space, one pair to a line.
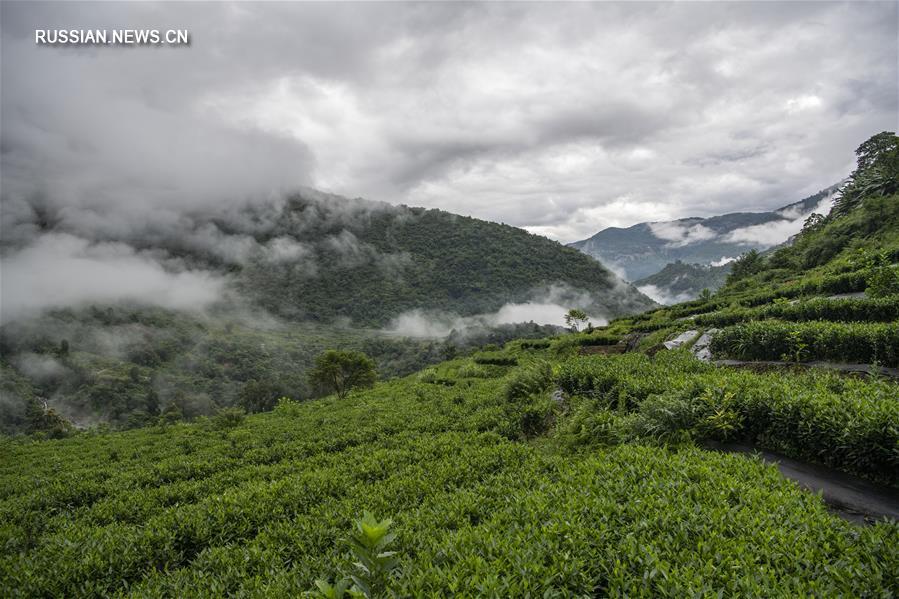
776,232
546,306
680,233
563,119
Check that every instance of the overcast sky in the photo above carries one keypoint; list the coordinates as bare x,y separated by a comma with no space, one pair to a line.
560,118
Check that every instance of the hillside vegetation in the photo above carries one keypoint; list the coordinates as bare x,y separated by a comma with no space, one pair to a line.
573,466
680,281
324,257
125,367
304,274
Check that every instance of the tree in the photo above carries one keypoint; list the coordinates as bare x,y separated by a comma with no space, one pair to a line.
746,265
152,402
876,173
875,148
574,318
813,222
45,420
260,396
341,371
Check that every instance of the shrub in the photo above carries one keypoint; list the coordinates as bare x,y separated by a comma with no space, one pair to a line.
376,567
843,309
668,417
535,344
598,339
882,277
227,418
428,375
591,423
260,395
528,380
529,407
471,371
288,407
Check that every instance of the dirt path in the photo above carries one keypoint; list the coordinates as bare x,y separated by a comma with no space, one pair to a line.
849,497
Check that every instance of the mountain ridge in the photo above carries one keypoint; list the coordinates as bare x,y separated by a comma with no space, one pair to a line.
644,249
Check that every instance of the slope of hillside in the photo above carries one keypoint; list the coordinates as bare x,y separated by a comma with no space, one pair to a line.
644,249
259,507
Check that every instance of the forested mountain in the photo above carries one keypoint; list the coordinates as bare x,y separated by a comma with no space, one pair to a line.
321,257
644,249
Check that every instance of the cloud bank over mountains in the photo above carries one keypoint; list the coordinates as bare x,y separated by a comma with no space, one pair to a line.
777,232
563,119
680,234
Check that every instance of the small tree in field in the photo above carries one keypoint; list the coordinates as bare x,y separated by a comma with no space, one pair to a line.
575,318
340,371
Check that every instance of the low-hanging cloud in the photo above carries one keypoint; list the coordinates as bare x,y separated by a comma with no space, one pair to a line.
434,325
63,270
664,296
680,234
723,260
776,232
39,367
547,306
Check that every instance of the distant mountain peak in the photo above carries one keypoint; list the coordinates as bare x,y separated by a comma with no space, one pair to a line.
644,249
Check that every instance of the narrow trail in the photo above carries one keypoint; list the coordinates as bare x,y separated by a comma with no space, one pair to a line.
851,498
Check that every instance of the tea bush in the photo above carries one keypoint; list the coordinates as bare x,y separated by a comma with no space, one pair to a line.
534,343
846,423
472,371
843,310
477,515
840,342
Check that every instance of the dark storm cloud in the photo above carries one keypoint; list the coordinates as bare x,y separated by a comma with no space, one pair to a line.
563,118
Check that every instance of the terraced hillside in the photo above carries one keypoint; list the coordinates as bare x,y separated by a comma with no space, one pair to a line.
575,466
495,489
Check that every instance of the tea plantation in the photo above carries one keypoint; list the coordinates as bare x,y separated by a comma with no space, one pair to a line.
495,490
